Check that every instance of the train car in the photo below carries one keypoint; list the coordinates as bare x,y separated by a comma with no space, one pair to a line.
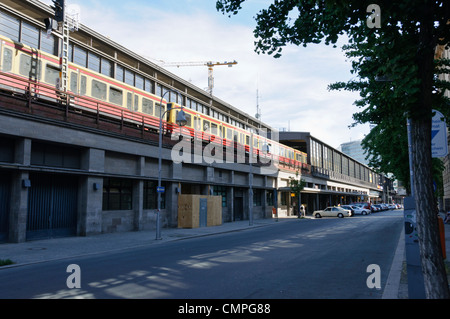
39,72
35,72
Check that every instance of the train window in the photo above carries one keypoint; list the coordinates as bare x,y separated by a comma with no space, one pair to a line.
51,74
147,106
83,85
197,125
229,133
98,90
255,142
136,102
130,101
206,125
7,60
115,96
214,130
74,82
27,67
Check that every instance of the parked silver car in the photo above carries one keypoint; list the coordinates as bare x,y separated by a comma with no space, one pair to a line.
332,212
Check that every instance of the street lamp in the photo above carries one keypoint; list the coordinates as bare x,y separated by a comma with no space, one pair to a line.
181,121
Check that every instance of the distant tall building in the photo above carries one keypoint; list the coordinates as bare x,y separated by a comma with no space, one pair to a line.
354,150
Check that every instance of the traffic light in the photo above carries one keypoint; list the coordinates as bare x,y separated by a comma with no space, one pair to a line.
48,25
58,7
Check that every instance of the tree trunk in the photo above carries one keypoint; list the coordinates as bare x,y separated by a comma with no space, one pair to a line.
433,268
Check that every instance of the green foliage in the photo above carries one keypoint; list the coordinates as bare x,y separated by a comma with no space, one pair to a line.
296,184
391,80
5,262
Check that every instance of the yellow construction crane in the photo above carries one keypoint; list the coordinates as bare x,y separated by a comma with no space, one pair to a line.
209,64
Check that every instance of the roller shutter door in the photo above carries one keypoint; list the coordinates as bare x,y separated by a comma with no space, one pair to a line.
52,206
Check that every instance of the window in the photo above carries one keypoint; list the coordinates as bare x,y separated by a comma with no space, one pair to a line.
106,67
147,106
28,68
221,191
214,130
130,101
139,82
136,102
159,110
30,35
7,60
51,74
115,96
257,197
9,26
129,77
151,196
206,125
83,84
269,198
55,156
80,56
149,85
117,194
93,62
48,43
98,90
119,73
74,82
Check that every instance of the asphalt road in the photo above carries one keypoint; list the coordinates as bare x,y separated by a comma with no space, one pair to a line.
312,258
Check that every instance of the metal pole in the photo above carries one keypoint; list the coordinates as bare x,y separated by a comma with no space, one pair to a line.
250,177
158,211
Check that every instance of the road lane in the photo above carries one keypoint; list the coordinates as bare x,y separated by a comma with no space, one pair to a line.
324,258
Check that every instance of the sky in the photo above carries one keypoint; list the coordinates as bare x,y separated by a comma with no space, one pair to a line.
291,91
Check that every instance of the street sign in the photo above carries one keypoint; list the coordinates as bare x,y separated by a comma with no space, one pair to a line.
439,147
160,189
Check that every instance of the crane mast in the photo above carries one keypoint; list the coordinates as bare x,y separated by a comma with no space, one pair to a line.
209,64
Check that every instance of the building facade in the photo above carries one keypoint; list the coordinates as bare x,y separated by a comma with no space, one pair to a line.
68,171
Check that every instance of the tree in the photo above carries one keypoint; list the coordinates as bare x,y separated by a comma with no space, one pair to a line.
297,185
400,47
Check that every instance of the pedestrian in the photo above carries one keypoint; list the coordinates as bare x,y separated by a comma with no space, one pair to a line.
302,211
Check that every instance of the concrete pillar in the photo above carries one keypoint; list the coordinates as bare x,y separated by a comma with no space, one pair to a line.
18,208
19,194
91,194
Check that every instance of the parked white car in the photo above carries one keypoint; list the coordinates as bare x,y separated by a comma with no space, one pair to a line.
332,212
361,211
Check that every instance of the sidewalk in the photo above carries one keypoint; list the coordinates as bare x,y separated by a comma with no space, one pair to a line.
58,248
403,285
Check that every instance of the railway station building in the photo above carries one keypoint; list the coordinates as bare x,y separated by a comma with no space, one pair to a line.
68,172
